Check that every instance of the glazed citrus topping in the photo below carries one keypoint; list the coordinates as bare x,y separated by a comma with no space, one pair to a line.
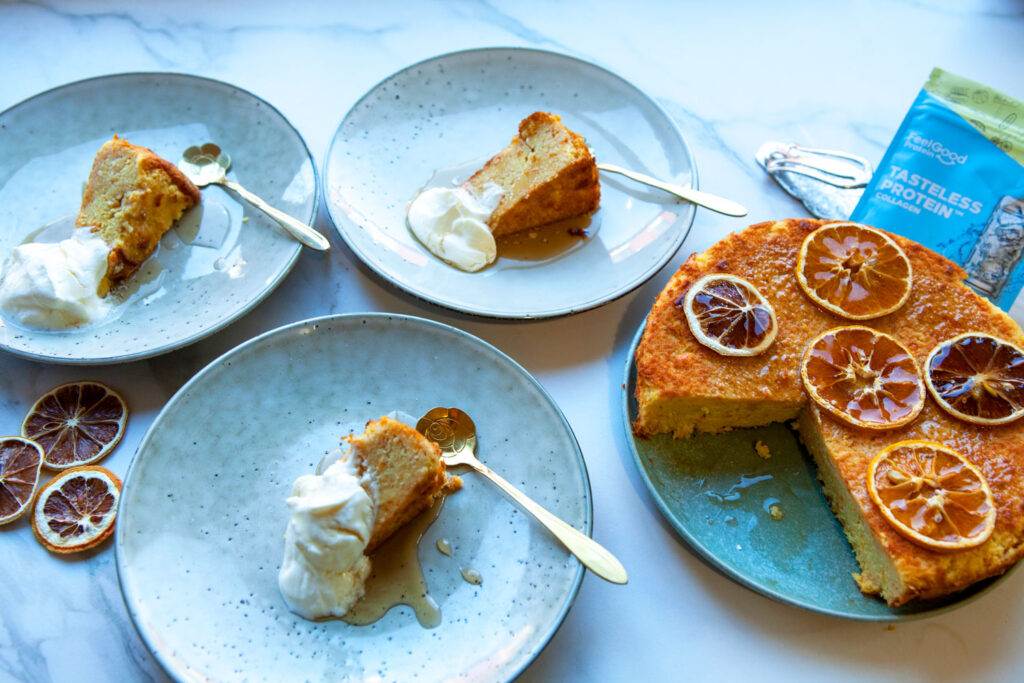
20,460
977,378
932,495
729,315
863,376
76,423
853,271
76,509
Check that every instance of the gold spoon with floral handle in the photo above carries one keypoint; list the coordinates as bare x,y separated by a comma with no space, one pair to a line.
455,433
208,164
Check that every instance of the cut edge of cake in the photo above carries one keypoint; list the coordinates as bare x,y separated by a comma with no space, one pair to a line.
682,417
878,575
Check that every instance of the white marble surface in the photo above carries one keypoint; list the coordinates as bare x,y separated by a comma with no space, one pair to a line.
733,75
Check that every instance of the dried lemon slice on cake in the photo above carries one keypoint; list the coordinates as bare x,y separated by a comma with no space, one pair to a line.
864,377
977,378
20,460
76,510
76,423
854,271
932,495
727,314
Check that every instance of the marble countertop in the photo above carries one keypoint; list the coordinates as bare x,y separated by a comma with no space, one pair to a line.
732,75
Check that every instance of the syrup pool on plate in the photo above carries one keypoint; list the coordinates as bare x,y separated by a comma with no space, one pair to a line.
397,577
469,575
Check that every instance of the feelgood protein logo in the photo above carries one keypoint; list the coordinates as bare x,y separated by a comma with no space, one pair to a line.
934,149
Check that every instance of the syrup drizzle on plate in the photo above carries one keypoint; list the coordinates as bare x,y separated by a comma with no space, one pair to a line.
397,577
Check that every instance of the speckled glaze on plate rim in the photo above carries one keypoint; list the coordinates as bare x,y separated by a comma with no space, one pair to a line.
350,221
177,665
266,282
728,565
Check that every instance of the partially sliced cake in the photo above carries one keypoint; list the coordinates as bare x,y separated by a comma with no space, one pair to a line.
683,386
404,471
131,199
547,174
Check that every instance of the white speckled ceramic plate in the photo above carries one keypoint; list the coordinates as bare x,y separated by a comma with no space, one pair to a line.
218,262
451,113
718,493
199,536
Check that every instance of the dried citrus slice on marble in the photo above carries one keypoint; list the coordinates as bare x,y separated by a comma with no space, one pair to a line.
76,423
932,495
75,511
20,460
864,377
727,314
854,271
977,378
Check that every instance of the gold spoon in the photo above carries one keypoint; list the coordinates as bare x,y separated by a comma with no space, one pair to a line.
705,199
208,164
455,433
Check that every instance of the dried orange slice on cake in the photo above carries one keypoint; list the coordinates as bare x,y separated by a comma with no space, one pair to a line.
932,495
76,423
977,378
854,271
20,460
864,377
76,510
727,314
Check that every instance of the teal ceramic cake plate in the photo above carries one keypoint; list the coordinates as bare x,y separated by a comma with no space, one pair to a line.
719,494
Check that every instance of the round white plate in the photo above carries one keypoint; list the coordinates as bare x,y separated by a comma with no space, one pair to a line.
199,537
456,111
219,261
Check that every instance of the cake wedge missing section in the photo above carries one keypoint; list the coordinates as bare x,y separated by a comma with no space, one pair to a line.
682,387
131,199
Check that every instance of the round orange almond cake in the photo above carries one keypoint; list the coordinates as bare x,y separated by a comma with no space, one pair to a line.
683,386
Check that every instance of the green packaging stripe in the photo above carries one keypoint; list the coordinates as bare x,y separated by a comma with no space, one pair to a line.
998,117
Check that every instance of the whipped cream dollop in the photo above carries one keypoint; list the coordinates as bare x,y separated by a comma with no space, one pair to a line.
452,224
55,286
324,570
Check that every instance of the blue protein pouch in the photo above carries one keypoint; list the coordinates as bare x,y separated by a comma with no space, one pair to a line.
953,180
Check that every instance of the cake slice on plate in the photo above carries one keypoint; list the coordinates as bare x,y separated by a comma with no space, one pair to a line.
403,471
547,174
131,199
389,474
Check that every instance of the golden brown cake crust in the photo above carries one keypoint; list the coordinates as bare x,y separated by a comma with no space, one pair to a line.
151,162
131,199
547,172
672,366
